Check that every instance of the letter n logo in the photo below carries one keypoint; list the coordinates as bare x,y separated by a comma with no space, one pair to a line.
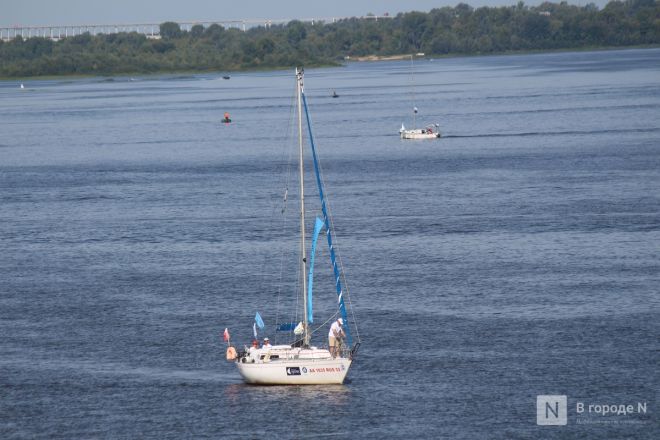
551,410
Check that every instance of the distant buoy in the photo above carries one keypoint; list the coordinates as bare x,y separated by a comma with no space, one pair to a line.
22,86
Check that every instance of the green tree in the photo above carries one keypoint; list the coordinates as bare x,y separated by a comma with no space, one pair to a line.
296,32
413,27
448,30
197,31
170,30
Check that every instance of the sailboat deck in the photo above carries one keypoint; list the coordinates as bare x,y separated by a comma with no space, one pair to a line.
284,352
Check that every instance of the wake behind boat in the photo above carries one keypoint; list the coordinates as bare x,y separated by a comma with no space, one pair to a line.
300,362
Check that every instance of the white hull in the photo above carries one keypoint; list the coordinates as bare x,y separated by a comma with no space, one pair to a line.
418,134
293,367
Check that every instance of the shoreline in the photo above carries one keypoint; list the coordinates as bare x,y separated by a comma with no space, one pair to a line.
348,59
377,58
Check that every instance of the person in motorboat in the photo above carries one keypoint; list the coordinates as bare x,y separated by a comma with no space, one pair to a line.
335,336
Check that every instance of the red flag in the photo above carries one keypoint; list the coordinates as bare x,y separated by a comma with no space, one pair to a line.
225,335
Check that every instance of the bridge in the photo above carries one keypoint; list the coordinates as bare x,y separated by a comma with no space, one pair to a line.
151,30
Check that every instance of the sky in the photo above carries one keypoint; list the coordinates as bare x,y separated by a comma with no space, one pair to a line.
77,12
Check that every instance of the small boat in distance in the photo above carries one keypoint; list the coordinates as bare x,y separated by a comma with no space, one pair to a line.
431,131
226,77
334,94
299,362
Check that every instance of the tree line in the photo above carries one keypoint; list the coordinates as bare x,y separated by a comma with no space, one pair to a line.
459,30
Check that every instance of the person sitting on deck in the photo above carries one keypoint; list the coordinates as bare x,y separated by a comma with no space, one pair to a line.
266,343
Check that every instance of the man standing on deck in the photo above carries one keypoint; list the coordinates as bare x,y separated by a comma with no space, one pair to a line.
335,336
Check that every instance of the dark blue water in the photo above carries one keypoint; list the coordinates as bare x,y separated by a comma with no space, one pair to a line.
517,256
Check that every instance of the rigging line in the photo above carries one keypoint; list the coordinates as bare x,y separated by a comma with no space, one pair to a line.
336,247
343,275
338,254
342,272
321,326
326,196
290,149
264,274
285,256
299,292
328,224
342,268
350,304
283,220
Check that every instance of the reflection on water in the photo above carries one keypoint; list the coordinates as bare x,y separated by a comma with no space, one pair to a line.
336,395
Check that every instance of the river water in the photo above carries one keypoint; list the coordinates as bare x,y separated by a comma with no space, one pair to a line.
517,256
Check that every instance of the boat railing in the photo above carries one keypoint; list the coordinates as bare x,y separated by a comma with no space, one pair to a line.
344,350
283,353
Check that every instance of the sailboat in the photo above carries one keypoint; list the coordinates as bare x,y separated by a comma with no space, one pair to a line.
301,362
431,131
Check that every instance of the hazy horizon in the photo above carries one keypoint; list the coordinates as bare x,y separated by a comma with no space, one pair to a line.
72,12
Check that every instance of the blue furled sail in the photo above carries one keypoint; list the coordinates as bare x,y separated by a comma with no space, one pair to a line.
335,267
317,229
286,327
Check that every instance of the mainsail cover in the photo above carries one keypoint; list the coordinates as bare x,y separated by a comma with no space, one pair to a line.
335,267
286,327
317,229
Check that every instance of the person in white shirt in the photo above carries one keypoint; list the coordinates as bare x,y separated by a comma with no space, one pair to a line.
335,336
266,343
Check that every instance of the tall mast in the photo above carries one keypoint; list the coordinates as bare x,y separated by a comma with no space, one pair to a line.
299,89
412,80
